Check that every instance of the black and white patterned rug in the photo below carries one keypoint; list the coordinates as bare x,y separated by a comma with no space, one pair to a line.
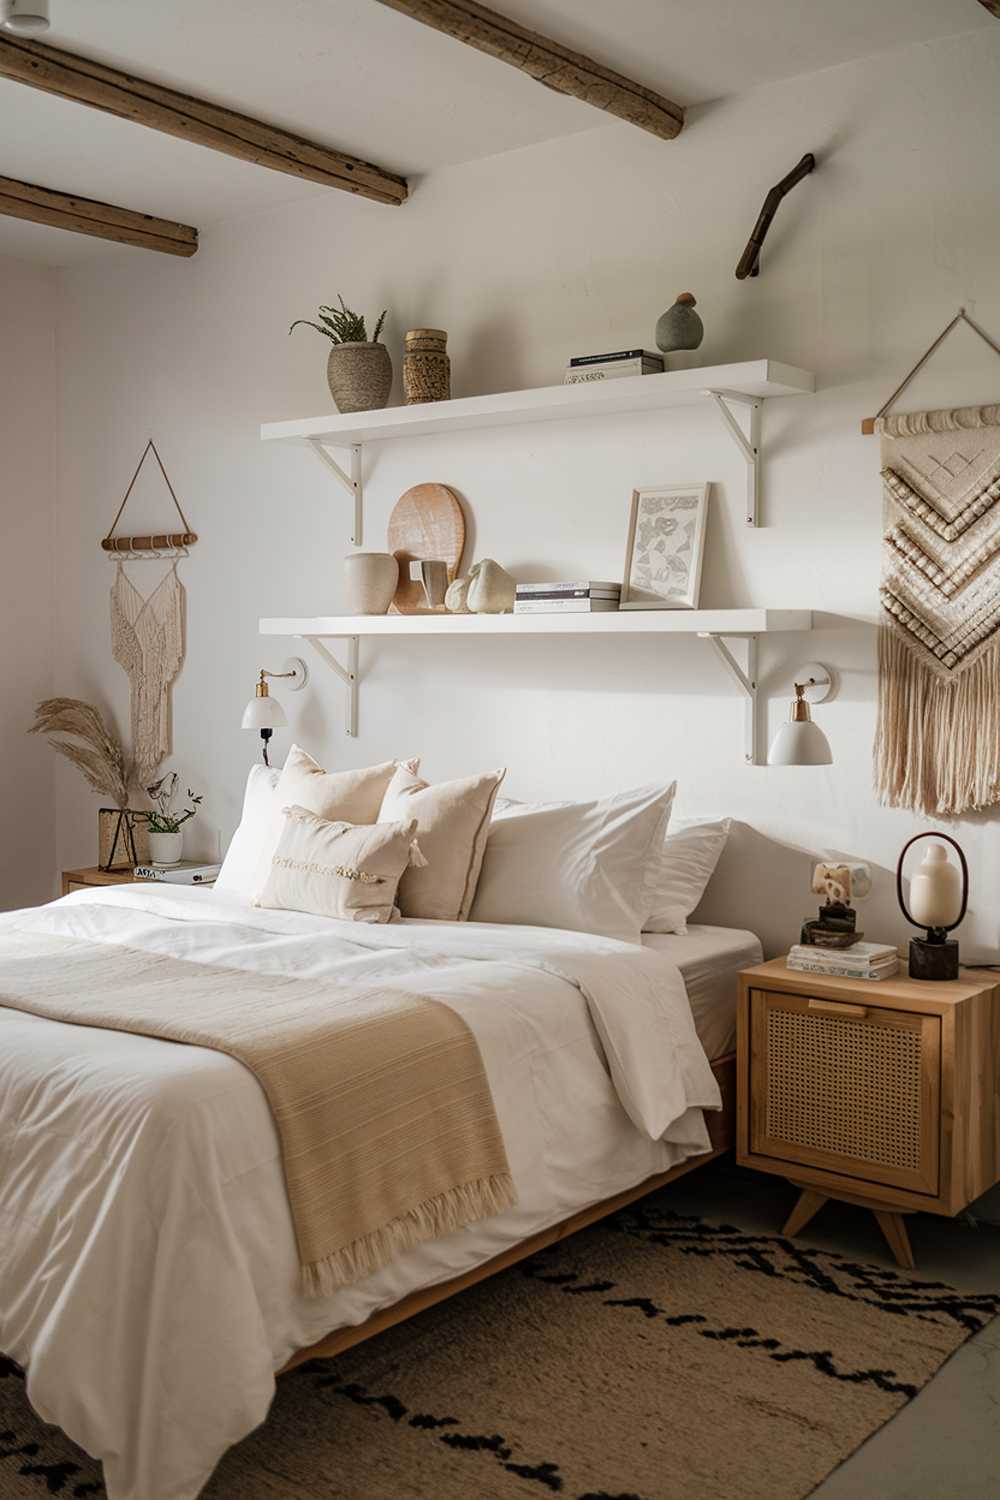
652,1357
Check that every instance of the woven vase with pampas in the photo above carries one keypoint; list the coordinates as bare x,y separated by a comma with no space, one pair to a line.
79,732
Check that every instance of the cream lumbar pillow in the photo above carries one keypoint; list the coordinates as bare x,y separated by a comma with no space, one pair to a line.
453,822
337,869
338,796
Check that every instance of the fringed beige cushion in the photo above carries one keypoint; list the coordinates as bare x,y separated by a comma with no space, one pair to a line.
337,869
453,822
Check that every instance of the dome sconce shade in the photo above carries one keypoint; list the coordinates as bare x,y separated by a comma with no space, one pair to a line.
25,17
939,896
264,712
800,742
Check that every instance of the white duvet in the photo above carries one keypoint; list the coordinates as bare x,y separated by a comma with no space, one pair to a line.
148,1267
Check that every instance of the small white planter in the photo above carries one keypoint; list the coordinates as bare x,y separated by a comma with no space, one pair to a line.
165,848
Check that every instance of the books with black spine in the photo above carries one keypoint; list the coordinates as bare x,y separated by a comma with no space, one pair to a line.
606,359
576,587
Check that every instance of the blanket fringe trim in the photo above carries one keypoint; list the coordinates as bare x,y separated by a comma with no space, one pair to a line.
937,741
436,1216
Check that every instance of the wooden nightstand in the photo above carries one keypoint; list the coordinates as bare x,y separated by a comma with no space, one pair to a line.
77,880
880,1093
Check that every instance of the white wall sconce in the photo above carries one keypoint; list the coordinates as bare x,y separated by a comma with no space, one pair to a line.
25,17
265,713
800,742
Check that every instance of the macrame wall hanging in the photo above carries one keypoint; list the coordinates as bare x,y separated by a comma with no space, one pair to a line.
147,633
937,746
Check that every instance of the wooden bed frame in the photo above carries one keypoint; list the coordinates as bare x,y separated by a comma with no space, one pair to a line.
721,1130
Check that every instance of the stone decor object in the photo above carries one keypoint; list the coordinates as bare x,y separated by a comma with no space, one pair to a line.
359,376
370,579
426,366
456,599
679,331
491,589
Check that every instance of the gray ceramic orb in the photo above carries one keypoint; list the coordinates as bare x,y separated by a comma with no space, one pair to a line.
680,326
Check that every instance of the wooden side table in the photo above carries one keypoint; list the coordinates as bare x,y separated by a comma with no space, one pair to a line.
880,1093
77,880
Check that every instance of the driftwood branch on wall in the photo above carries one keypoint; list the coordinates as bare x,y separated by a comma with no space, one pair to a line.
750,259
130,98
25,200
547,62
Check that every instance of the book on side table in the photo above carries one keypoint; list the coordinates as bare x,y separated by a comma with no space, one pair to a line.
188,872
859,961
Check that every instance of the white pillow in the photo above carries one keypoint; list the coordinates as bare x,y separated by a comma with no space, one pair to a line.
239,868
583,866
336,869
690,855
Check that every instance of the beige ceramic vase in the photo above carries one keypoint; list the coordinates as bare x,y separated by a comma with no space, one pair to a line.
426,366
360,376
370,579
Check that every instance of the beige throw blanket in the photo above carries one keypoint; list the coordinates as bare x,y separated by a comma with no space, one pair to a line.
388,1132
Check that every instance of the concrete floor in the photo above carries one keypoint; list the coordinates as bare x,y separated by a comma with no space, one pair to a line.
945,1445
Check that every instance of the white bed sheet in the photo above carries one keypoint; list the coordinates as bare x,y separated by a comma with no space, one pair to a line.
710,959
148,1268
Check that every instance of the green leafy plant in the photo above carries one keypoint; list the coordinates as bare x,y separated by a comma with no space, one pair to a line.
162,792
341,325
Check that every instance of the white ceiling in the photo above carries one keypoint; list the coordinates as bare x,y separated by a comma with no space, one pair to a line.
355,75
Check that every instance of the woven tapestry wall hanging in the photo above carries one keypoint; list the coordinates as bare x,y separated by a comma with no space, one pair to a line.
937,746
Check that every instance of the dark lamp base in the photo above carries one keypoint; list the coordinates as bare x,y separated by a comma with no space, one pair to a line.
935,961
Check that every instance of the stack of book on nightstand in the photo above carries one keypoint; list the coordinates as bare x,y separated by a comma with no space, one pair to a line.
586,367
566,598
859,961
186,873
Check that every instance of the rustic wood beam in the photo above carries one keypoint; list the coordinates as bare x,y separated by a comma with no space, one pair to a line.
131,98
24,200
547,62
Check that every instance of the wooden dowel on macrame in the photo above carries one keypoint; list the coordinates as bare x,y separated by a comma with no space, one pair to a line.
154,543
868,423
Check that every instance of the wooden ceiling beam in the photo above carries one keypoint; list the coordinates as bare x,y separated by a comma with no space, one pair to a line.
25,200
130,98
547,62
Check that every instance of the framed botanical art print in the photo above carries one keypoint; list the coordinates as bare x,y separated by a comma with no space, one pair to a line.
666,543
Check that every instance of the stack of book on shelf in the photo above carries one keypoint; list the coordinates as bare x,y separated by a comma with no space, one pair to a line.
586,367
188,872
859,961
566,598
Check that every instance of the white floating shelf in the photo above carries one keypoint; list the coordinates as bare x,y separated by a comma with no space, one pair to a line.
757,379
715,624
723,386
603,622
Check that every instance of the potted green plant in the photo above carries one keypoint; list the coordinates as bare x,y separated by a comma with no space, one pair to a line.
359,370
166,837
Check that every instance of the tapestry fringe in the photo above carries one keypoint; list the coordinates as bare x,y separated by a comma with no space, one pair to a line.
428,1221
937,741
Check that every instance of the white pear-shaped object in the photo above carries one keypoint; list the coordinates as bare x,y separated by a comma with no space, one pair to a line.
935,889
491,589
455,600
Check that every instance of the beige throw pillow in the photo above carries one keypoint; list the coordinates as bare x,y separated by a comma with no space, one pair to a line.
453,821
335,869
339,796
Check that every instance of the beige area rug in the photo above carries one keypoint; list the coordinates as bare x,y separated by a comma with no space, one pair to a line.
654,1357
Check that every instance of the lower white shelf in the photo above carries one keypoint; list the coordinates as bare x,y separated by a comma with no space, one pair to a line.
716,625
604,622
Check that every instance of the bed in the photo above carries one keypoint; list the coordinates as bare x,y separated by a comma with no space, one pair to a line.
148,1269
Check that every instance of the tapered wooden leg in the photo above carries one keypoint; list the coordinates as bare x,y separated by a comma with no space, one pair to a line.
809,1204
894,1229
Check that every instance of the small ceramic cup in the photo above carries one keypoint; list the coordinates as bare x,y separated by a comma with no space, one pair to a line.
370,579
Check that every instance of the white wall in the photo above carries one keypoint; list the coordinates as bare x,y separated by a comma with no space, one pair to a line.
27,485
527,258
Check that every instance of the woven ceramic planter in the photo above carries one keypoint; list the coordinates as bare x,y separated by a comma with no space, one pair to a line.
360,376
132,846
426,366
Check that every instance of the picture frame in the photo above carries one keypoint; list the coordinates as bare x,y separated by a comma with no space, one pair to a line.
665,547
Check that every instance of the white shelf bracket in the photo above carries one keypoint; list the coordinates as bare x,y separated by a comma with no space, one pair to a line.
748,685
352,483
749,446
348,675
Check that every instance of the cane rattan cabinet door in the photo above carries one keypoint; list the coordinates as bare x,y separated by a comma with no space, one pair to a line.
849,1088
